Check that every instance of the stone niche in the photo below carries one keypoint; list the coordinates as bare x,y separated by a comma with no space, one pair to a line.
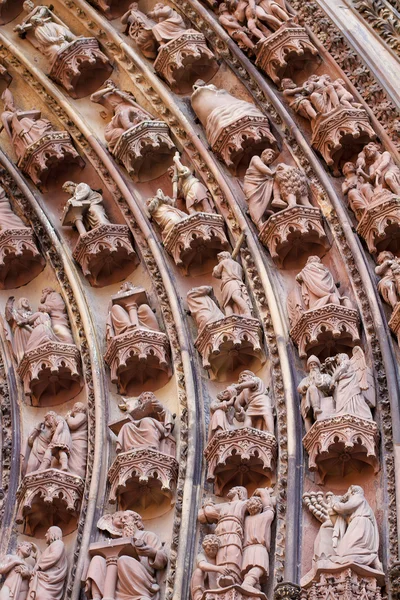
49,497
287,50
136,352
20,260
9,10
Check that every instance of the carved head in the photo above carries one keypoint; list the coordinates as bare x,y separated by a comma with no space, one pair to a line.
313,78
223,256
25,549
348,168
254,505
199,83
223,8
79,407
211,545
288,84
50,419
28,6
69,187
342,358
131,521
371,150
355,489
237,493
158,6
134,6
313,259
382,256
23,303
313,363
268,156
245,375
53,533
45,292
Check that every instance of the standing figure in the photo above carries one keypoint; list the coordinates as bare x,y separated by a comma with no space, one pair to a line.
196,195
354,391
206,572
163,211
77,422
91,201
60,443
52,303
50,571
8,219
17,570
17,316
202,307
253,403
313,388
236,31
38,442
235,299
219,412
388,269
359,192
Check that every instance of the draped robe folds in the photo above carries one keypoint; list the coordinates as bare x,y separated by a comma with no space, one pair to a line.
78,427
219,419
257,540
61,439
95,214
48,35
203,308
170,28
318,285
258,189
316,384
8,219
360,542
136,577
126,115
52,564
42,331
193,190
141,434
25,130
121,322
231,281
54,305
166,216
15,587
348,396
21,333
258,403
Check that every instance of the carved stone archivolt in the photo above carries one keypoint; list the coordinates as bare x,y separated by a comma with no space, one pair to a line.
181,55
322,320
137,351
76,63
145,472
48,360
235,129
42,152
104,250
141,143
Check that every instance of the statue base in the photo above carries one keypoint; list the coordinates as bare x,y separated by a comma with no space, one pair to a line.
81,67
229,343
51,373
341,134
105,254
241,140
233,592
136,357
184,60
293,235
49,157
20,260
196,240
342,582
380,223
143,479
49,497
286,51
145,150
326,331
341,445
245,457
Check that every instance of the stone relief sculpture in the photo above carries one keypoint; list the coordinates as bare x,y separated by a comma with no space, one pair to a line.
348,538
319,314
145,470
279,205
141,143
48,360
50,572
181,54
241,434
137,351
372,185
76,63
127,564
242,537
20,260
235,129
220,331
104,250
17,570
40,149
196,196
336,402
340,126
388,269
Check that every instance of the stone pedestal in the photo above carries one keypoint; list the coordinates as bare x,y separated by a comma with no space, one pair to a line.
196,240
232,592
20,260
341,134
294,234
380,223
48,157
286,51
245,457
184,60
229,343
9,10
49,497
341,445
137,356
145,150
51,373
341,582
81,67
105,254
240,140
326,331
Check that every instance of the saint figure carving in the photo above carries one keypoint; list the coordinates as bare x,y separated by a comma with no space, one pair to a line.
235,299
50,571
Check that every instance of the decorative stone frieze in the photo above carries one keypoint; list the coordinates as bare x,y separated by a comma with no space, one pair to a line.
343,582
137,351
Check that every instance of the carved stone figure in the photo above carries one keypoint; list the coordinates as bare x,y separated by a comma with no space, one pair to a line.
318,286
206,572
235,299
17,570
76,63
235,129
378,168
38,146
388,268
195,194
235,30
50,572
126,566
141,143
163,211
50,439
104,250
202,307
53,304
137,351
181,54
312,389
77,422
